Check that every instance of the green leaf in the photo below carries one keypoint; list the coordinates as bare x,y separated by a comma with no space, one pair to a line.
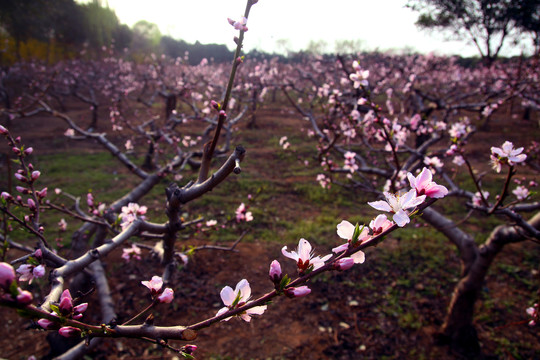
284,282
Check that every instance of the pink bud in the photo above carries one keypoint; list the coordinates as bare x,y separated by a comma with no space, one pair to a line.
46,324
28,151
297,292
239,60
90,200
344,263
20,177
69,331
231,21
80,308
222,113
21,189
38,254
7,275
275,271
39,271
66,303
31,205
43,193
18,139
166,296
6,196
3,130
16,150
214,104
189,349
25,297
35,175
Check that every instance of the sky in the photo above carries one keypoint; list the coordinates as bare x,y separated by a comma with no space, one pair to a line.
377,24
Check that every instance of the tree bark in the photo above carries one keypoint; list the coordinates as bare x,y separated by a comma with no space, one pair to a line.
458,330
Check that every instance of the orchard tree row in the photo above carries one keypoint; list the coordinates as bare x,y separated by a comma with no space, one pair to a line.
396,127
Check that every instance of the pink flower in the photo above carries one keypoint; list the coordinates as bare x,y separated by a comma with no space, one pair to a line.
28,272
425,186
7,275
155,284
380,224
134,252
166,296
62,225
239,25
345,230
477,198
298,291
130,213
304,256
458,160
397,204
242,214
239,297
521,192
533,312
506,153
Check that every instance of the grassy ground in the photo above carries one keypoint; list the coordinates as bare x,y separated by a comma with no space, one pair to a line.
388,308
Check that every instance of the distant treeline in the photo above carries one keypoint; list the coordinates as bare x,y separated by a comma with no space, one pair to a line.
53,30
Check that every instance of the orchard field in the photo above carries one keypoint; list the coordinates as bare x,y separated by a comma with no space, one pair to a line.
323,136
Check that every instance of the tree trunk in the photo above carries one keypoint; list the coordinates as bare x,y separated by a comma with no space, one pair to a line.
458,330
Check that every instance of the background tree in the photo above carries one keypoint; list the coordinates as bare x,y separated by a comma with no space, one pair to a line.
486,23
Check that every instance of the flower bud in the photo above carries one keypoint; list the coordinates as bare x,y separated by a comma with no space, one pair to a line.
66,303
22,189
222,113
16,150
28,151
38,254
297,292
43,193
166,296
188,349
69,331
344,263
35,175
3,130
20,177
215,104
39,271
79,309
275,272
31,205
7,275
46,324
6,196
90,200
25,297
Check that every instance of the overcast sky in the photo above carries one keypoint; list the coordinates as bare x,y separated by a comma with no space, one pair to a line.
378,24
